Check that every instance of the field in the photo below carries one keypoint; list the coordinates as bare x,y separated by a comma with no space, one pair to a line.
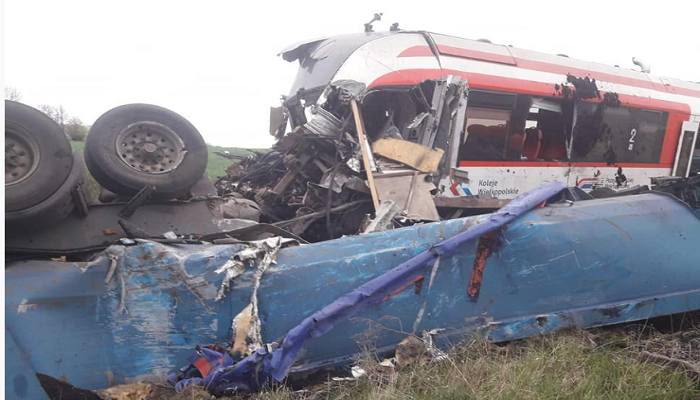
217,164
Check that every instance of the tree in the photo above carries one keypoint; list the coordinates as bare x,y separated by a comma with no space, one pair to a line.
12,94
58,114
75,129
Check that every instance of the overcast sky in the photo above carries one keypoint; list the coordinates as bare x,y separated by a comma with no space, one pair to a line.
215,62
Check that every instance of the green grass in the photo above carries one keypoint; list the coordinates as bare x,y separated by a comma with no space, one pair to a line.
77,145
570,365
91,186
216,166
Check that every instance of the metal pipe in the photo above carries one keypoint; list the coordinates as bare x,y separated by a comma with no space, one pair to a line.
644,66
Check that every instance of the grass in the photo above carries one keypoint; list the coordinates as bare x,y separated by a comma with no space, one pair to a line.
216,165
596,364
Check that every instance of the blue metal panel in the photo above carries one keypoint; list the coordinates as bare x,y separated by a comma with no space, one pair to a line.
592,263
20,379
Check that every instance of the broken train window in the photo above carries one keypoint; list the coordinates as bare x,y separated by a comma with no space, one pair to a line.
410,113
506,126
388,112
547,130
614,134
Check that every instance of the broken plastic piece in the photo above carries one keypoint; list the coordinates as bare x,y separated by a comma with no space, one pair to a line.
417,156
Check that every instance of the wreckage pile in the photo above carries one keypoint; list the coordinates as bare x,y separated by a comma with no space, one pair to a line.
328,176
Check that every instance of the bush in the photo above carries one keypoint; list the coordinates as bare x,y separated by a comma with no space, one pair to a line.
76,131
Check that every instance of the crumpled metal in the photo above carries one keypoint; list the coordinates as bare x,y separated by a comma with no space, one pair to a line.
274,362
349,90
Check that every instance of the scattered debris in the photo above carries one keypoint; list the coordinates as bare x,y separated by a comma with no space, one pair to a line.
132,391
385,216
356,372
355,152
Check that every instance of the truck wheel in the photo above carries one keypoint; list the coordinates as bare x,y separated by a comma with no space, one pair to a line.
54,208
38,157
135,145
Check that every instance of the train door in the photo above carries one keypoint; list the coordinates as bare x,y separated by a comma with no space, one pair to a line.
686,149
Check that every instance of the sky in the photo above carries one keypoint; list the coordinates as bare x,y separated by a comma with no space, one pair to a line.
215,62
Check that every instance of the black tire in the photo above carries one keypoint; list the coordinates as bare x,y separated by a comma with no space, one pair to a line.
112,170
53,209
45,171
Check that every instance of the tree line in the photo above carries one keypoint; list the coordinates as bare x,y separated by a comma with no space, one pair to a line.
74,128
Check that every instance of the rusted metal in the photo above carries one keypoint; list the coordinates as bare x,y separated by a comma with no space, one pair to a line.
484,248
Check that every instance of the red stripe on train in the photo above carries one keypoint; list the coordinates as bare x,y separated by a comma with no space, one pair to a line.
678,112
424,51
559,164
417,51
479,55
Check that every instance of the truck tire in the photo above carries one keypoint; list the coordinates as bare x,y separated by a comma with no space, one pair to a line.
38,156
135,145
53,209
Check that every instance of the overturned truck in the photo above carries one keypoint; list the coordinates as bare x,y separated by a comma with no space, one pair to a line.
497,192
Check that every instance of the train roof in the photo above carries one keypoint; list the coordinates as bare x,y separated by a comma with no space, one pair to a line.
321,59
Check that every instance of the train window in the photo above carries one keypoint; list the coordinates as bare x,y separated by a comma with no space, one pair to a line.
488,124
487,133
487,99
506,126
540,130
546,132
618,134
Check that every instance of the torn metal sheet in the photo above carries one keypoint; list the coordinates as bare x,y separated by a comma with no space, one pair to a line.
246,325
246,258
384,217
324,123
277,120
349,90
411,192
429,131
354,164
279,360
339,180
241,208
170,291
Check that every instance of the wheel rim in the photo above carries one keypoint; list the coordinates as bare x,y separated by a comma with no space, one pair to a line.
150,147
21,155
